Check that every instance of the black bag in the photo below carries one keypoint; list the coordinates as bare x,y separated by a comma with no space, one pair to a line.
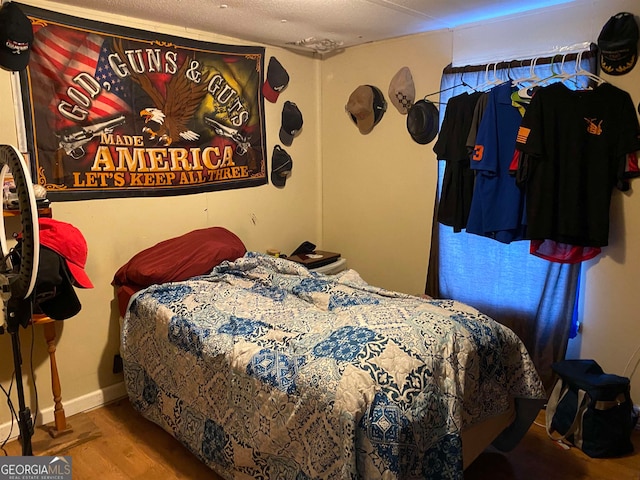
591,409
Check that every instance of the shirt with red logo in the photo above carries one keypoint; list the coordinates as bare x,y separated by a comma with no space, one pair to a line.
578,145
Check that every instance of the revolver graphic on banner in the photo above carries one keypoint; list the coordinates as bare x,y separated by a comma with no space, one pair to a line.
73,142
242,143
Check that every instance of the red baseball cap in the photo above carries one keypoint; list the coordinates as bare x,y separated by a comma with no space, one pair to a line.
68,242
276,81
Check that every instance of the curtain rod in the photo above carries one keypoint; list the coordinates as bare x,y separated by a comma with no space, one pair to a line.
587,55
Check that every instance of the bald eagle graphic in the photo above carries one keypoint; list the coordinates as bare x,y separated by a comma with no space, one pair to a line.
167,118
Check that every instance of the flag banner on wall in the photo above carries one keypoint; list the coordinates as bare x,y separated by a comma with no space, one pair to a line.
117,112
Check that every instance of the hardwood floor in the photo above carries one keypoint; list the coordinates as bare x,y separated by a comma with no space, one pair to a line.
115,442
539,458
127,446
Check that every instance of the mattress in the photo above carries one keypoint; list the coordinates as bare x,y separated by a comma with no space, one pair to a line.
264,369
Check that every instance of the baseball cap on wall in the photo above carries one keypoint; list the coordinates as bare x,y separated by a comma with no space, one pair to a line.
402,91
618,44
281,166
366,107
16,37
276,81
67,241
291,122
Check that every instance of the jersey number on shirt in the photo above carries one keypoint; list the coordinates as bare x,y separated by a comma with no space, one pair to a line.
478,151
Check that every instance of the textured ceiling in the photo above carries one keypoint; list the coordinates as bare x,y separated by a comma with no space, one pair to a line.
318,26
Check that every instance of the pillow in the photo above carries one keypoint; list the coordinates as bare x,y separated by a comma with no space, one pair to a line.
189,255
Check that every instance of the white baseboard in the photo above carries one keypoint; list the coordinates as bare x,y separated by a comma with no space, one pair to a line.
86,402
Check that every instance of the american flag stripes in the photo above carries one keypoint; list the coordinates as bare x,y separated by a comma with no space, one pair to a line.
60,54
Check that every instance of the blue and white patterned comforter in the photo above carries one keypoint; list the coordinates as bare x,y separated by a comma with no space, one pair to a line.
266,370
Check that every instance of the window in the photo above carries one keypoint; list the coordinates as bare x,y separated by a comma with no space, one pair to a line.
534,297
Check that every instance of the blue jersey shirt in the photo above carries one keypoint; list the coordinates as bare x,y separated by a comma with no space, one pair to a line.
497,203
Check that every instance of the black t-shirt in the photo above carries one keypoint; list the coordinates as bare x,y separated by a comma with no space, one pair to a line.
577,143
457,183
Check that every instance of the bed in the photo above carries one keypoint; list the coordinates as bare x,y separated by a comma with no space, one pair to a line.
264,369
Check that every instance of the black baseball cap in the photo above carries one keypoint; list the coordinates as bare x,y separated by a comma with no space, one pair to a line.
281,166
276,81
291,122
618,44
54,293
16,37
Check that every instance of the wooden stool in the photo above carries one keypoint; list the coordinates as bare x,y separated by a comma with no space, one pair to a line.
60,421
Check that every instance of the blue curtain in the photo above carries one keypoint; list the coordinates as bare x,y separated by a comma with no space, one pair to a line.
534,297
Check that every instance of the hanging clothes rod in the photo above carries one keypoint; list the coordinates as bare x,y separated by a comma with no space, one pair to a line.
461,84
589,53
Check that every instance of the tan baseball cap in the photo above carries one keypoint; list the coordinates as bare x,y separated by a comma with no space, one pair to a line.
366,106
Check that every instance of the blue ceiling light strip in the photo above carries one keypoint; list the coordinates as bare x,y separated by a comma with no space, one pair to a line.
493,12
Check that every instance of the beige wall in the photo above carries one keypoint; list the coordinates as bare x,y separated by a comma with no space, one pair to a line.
378,189
369,197
115,229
